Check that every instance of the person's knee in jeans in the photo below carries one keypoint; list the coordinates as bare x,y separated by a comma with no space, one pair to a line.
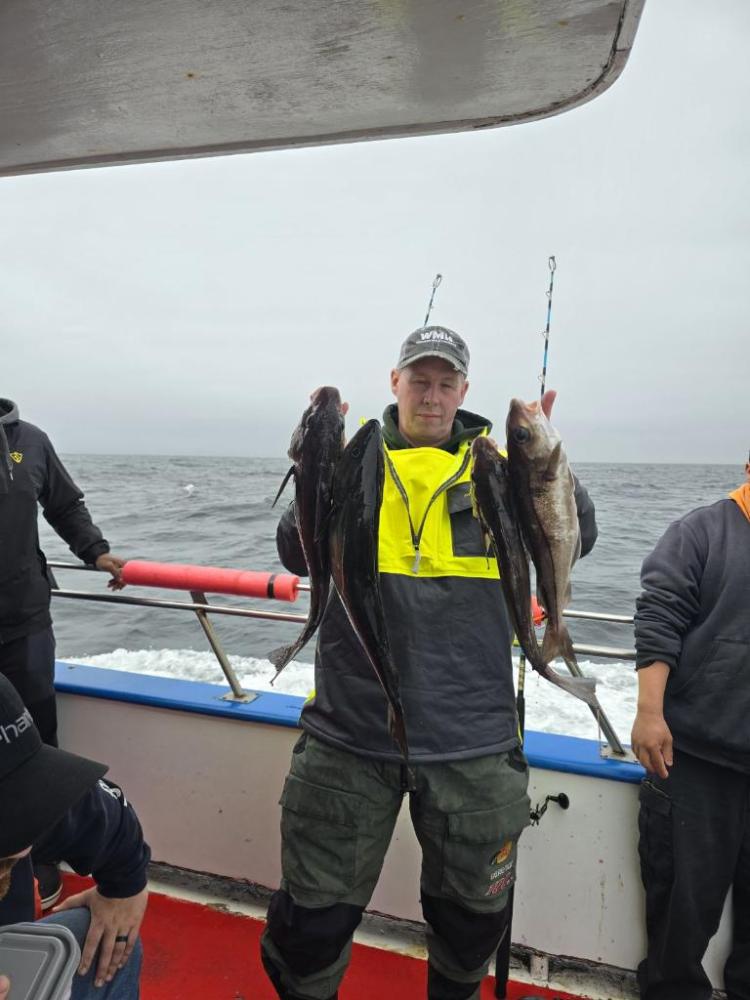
124,985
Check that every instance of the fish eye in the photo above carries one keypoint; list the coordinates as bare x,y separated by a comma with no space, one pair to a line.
521,434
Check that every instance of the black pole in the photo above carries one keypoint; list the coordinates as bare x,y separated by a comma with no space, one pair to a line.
502,955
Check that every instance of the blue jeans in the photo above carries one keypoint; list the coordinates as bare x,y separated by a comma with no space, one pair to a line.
124,986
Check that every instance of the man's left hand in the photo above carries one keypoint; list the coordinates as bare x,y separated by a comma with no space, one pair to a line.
111,564
110,919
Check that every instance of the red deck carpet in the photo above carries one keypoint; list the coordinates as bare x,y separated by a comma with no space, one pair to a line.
194,952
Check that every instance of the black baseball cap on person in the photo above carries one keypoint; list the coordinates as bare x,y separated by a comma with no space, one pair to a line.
435,342
38,784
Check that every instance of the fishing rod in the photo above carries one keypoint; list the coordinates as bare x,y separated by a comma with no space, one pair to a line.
552,264
502,956
520,697
435,284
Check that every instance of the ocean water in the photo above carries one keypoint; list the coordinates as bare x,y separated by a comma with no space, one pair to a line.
217,511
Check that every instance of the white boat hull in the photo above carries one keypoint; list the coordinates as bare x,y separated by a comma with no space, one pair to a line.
207,787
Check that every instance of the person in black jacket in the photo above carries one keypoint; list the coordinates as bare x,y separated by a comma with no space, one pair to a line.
451,639
692,734
60,805
31,473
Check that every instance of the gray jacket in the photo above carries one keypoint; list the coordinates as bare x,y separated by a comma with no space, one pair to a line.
694,615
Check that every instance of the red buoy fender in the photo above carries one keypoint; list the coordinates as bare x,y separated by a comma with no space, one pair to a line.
538,613
211,579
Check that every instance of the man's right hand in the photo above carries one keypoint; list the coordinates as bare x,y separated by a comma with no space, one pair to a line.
651,741
4,987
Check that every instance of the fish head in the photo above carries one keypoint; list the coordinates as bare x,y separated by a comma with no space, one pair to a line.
486,458
324,413
489,477
531,437
367,440
326,395
360,469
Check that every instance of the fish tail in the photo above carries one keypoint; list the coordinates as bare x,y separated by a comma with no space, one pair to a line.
557,642
583,688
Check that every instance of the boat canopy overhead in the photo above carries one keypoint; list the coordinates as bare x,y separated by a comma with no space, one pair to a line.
93,82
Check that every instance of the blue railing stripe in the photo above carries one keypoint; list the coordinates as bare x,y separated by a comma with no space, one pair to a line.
548,751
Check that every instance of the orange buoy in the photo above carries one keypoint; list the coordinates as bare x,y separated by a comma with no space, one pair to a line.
538,613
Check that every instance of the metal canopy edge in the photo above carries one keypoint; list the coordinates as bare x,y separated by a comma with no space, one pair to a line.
76,98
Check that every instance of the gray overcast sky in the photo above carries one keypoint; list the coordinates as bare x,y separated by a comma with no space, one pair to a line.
190,307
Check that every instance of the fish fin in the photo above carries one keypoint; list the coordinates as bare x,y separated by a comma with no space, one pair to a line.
281,656
284,481
553,463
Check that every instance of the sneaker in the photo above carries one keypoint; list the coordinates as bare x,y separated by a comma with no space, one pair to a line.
50,884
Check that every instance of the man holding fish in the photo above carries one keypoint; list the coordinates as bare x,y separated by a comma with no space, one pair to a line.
413,686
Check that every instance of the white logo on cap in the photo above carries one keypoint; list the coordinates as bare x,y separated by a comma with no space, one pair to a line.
15,729
437,335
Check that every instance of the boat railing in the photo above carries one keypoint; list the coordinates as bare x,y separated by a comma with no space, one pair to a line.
202,608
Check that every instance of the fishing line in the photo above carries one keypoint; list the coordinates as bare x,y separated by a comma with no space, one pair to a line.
435,283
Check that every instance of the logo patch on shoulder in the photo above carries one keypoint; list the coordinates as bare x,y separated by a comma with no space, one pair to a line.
17,457
113,790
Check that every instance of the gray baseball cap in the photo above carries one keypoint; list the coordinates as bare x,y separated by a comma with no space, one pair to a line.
435,342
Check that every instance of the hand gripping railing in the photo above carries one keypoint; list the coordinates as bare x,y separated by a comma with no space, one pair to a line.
282,586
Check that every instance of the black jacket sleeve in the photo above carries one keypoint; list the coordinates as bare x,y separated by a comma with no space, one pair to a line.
100,836
586,517
64,509
670,601
288,544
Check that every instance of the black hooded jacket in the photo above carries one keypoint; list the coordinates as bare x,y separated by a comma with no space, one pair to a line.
31,474
101,836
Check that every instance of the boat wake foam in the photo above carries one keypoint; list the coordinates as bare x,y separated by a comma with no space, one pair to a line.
548,709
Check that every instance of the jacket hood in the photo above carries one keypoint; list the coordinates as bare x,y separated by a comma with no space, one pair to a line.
466,426
8,411
8,415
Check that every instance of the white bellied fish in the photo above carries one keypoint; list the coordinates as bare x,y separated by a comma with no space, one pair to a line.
495,507
544,494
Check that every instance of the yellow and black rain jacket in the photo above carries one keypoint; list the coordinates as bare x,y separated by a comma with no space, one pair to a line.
448,627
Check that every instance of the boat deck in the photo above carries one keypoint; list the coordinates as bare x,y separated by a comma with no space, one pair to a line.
207,949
